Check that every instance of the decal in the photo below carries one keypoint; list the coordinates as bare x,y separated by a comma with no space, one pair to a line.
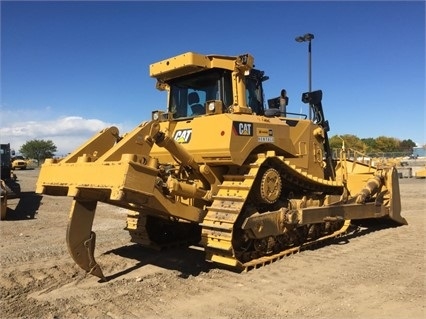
243,128
265,139
264,132
183,136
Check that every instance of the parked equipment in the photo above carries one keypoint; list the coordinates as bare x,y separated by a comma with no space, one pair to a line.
9,187
19,162
245,182
3,196
421,173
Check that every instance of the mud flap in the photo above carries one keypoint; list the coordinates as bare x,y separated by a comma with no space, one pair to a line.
81,239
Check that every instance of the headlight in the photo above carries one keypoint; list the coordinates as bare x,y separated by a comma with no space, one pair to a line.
211,106
156,115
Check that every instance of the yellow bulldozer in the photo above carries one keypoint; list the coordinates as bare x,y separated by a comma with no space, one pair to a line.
219,169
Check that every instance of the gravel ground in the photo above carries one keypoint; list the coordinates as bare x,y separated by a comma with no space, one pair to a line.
378,272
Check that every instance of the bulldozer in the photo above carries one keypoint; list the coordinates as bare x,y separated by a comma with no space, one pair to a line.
221,167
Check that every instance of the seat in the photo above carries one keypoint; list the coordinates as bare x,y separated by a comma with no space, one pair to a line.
197,109
194,102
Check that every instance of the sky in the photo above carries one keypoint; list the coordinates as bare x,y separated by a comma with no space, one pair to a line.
70,68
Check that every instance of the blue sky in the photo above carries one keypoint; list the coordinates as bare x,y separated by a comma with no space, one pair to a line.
69,69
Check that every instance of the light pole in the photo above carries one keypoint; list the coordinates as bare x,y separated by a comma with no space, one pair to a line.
307,38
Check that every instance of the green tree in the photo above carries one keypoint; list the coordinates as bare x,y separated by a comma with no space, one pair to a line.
387,144
38,149
407,146
380,146
351,141
370,143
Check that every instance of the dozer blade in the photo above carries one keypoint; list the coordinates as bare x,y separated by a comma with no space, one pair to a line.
80,237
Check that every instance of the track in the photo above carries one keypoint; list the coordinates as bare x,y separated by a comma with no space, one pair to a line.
224,241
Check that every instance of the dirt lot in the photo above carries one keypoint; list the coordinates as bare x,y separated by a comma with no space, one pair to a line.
378,272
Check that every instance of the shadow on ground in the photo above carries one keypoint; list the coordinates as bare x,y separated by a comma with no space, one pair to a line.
189,261
27,207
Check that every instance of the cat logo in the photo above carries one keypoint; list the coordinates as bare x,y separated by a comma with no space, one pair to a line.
243,128
182,136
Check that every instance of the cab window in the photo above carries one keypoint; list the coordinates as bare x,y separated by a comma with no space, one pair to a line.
189,94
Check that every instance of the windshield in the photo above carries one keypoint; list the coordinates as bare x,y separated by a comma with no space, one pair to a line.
5,154
189,94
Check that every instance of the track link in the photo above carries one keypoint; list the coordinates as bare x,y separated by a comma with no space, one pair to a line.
218,224
266,260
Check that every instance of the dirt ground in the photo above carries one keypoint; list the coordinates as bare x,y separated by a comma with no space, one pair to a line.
378,272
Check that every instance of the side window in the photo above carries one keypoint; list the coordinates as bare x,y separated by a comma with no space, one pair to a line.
252,96
226,88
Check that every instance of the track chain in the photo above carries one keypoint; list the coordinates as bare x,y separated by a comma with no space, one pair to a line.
218,225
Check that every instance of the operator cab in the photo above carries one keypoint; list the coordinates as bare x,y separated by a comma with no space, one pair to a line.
190,94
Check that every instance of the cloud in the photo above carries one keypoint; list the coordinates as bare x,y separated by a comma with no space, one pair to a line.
67,133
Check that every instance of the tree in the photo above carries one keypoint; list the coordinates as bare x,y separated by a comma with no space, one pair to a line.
407,146
370,143
380,146
38,149
351,141
387,144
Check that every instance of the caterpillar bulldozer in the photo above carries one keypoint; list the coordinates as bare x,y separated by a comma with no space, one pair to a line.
219,169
